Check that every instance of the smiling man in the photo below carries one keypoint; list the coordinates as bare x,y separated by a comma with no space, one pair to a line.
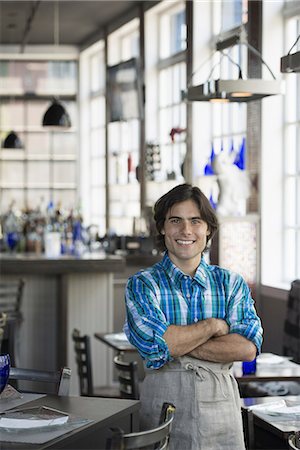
190,321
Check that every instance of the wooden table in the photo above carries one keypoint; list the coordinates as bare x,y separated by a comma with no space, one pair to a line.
103,413
270,432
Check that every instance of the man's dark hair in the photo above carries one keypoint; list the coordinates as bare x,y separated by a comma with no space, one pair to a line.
179,194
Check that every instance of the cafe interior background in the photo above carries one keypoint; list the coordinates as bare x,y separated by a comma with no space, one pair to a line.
141,114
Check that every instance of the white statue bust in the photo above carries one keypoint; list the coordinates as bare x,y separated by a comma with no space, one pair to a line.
234,185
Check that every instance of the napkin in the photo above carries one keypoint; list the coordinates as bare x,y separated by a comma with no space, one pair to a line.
270,358
277,408
32,418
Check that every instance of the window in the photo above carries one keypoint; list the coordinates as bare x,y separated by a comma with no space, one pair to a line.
166,112
45,168
123,140
291,168
92,101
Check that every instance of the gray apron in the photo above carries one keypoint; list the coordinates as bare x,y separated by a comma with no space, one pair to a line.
206,396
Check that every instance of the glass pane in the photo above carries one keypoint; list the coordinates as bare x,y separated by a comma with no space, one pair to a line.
12,114
178,32
125,229
98,201
40,77
98,171
297,203
97,72
98,142
12,174
36,197
290,201
65,144
64,173
234,13
165,87
38,144
289,266
290,148
97,111
67,198
38,174
114,137
291,97
35,112
12,195
165,125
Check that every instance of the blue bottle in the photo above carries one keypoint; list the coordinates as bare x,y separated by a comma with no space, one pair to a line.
249,367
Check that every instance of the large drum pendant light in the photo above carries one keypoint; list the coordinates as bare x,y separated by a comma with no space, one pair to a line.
56,115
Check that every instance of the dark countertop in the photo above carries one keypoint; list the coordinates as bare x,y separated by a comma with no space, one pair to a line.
30,263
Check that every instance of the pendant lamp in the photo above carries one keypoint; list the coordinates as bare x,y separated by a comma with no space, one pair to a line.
236,90
290,63
56,116
12,140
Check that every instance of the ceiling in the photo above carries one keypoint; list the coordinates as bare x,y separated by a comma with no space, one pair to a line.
33,22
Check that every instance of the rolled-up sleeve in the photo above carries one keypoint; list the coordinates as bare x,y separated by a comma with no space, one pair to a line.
241,315
145,322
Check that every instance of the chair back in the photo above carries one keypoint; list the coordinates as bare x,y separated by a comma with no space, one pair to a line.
157,438
10,303
294,440
128,378
3,317
291,337
59,379
248,426
11,297
82,347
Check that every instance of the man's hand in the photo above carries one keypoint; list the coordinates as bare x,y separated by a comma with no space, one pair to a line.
226,348
222,327
183,339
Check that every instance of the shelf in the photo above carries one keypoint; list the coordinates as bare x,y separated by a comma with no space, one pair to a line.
57,186
12,156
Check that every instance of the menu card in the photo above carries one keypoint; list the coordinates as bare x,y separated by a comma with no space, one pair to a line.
29,418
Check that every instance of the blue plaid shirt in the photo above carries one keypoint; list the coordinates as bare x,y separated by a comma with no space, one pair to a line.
163,295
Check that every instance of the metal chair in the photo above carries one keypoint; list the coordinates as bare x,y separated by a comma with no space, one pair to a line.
294,440
60,379
82,347
157,438
10,303
3,317
248,426
128,378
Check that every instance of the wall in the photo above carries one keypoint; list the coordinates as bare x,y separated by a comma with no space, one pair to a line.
273,303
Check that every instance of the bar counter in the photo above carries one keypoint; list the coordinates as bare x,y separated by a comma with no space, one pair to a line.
28,263
61,294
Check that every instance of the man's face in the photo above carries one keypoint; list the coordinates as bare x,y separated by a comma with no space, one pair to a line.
185,234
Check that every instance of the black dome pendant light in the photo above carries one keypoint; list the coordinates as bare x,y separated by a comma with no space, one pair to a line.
12,140
56,115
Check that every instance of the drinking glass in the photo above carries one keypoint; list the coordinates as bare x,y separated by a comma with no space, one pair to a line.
4,371
249,367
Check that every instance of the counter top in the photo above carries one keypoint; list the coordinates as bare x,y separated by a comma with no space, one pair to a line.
25,263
